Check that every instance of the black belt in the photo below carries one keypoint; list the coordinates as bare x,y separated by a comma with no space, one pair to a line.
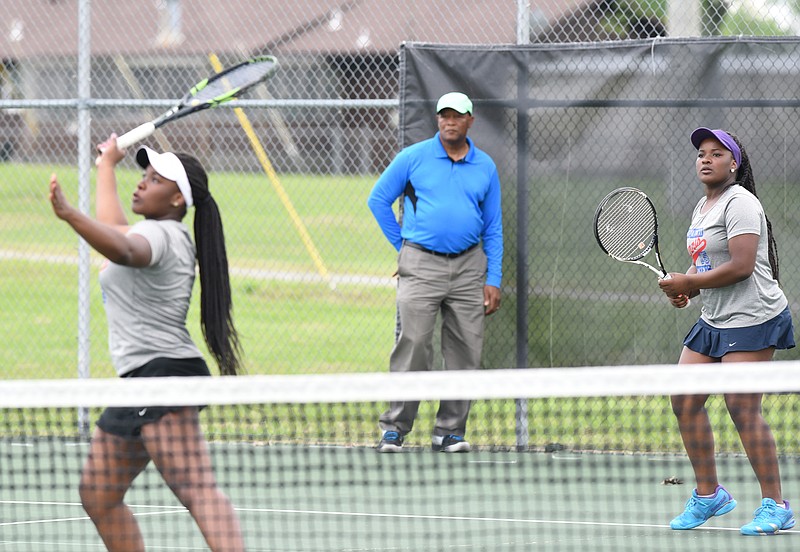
438,253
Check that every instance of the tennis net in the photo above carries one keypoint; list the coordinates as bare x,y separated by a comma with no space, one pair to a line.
568,459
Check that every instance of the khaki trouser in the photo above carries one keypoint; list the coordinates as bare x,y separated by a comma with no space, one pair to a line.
429,284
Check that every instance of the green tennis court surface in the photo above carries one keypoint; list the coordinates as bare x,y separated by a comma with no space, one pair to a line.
305,498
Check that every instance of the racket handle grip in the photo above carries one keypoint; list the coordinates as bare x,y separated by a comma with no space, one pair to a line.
136,135
667,276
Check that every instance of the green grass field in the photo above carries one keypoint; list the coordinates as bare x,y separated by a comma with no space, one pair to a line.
582,308
290,320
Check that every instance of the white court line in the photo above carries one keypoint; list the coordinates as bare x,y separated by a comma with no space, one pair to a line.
53,503
469,518
571,457
65,443
518,521
41,521
50,544
161,510
524,521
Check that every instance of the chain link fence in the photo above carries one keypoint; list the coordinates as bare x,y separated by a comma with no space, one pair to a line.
311,271
566,126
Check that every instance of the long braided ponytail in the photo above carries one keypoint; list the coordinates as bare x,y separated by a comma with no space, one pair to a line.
744,176
216,303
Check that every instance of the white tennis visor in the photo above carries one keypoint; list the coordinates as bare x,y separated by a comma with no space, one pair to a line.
169,166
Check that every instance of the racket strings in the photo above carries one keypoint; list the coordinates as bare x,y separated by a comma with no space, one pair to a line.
237,79
626,226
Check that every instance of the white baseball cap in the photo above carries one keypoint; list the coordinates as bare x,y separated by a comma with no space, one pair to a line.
455,100
169,166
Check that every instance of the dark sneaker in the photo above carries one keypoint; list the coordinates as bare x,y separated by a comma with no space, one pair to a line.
391,441
770,519
451,443
700,509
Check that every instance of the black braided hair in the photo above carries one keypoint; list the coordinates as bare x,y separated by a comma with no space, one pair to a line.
216,304
744,177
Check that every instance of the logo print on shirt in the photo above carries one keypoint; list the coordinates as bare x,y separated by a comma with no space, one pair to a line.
696,244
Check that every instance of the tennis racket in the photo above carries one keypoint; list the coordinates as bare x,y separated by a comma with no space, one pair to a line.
211,92
626,228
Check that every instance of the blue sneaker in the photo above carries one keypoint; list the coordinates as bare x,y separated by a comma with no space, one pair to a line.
391,441
770,519
700,509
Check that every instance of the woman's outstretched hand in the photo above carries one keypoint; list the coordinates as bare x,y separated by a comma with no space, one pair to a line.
61,207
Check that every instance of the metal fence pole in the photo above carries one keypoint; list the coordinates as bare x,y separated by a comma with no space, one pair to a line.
84,193
521,405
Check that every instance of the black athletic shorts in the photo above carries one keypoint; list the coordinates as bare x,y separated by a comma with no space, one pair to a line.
127,421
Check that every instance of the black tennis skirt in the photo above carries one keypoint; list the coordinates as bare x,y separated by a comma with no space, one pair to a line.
127,421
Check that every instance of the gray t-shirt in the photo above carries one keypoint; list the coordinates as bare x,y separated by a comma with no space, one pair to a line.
146,307
750,302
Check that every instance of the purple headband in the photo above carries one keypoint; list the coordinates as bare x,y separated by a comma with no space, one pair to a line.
720,135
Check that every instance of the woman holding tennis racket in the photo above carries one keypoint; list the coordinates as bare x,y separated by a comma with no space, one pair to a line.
147,285
745,317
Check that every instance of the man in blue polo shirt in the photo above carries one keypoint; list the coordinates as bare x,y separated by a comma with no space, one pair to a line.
451,250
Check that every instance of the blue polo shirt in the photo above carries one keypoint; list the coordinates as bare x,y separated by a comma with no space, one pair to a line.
449,205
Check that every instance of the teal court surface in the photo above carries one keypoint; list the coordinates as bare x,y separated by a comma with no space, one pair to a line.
294,498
